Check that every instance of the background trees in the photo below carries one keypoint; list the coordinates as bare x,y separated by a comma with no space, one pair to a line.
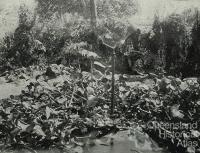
170,41
194,49
64,21
59,25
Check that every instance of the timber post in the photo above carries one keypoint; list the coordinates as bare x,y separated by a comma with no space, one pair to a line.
113,83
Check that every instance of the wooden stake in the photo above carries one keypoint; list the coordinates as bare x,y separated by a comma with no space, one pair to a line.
113,83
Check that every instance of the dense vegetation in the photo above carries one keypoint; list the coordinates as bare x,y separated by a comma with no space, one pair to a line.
176,36
59,51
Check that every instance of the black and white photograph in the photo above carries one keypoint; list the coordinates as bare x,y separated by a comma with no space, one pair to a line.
99,76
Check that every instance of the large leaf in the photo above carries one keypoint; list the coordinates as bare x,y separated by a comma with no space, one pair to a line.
92,101
176,112
48,112
23,126
99,64
38,130
88,54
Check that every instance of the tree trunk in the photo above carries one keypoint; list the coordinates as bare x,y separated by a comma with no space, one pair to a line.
93,13
85,9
